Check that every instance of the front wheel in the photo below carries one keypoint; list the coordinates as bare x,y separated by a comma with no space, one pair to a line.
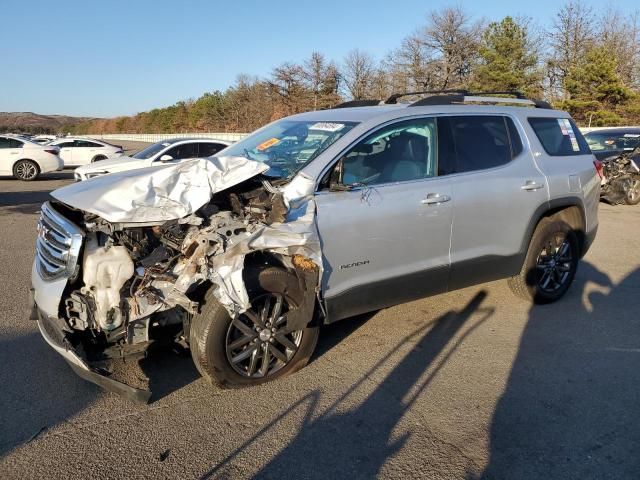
26,170
255,347
632,191
550,265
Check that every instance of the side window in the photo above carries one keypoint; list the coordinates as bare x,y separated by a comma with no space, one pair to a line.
397,153
13,143
208,149
65,144
476,142
559,136
4,142
187,150
86,144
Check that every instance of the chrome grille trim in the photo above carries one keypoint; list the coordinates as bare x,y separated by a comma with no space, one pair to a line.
58,245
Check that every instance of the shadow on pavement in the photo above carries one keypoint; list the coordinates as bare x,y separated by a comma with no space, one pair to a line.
356,443
571,407
40,388
44,391
23,202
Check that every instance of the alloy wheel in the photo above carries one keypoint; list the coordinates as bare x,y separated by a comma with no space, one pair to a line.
26,171
257,343
553,265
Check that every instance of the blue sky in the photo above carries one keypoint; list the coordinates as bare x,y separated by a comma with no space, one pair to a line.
121,57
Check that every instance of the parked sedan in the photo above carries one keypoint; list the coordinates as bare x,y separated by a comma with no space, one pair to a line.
166,151
26,160
611,142
82,151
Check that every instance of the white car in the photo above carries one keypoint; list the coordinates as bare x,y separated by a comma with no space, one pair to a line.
26,160
166,151
82,151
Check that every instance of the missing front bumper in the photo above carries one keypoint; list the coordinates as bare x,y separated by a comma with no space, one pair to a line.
57,340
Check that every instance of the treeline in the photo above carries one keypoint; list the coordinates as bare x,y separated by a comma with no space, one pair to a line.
587,61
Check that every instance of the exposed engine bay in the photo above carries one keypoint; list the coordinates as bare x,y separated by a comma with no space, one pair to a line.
137,283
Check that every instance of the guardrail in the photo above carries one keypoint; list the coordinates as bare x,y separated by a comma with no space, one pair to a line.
156,137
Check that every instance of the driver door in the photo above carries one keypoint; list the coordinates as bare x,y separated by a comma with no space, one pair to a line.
384,219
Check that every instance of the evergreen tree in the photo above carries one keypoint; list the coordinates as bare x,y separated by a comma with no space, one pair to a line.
595,89
508,59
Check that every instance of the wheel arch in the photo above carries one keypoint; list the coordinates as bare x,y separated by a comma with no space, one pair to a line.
568,209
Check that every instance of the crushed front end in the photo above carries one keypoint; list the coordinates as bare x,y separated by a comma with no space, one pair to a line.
107,290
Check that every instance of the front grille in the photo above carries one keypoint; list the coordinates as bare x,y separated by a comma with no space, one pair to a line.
58,245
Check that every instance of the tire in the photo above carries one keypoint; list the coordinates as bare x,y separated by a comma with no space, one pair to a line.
632,195
212,335
97,158
550,264
26,170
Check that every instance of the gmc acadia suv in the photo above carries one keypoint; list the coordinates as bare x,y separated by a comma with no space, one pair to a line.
312,219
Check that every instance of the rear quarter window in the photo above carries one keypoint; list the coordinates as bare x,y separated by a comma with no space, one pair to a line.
559,137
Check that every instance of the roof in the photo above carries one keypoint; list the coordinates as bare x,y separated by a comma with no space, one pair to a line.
393,111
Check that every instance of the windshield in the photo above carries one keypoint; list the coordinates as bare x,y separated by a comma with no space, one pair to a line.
286,146
151,150
602,141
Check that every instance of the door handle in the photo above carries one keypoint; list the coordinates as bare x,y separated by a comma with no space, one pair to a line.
435,199
530,186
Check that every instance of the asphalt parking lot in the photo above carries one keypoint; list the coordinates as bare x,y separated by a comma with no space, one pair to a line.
469,384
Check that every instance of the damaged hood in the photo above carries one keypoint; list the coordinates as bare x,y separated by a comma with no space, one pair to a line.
158,194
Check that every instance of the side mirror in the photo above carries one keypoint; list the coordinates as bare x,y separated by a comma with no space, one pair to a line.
166,158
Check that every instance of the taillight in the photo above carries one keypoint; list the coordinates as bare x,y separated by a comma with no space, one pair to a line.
52,152
599,168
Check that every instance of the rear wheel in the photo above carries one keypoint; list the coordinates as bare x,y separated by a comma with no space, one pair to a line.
550,264
97,158
26,170
255,347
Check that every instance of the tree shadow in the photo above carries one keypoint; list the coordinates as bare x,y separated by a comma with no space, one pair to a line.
335,443
572,402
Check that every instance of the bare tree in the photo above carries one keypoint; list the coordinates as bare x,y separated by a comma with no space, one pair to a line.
572,34
322,79
452,38
357,73
619,32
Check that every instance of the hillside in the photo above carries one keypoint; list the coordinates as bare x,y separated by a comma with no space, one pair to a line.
29,122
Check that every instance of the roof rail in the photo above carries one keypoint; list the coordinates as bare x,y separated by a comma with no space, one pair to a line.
394,98
463,96
358,103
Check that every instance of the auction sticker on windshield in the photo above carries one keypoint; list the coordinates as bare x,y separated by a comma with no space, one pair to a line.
269,143
327,126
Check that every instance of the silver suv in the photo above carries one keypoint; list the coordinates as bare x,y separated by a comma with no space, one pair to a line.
312,219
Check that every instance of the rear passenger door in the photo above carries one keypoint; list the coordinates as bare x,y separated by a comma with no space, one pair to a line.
497,189
208,149
83,152
66,152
